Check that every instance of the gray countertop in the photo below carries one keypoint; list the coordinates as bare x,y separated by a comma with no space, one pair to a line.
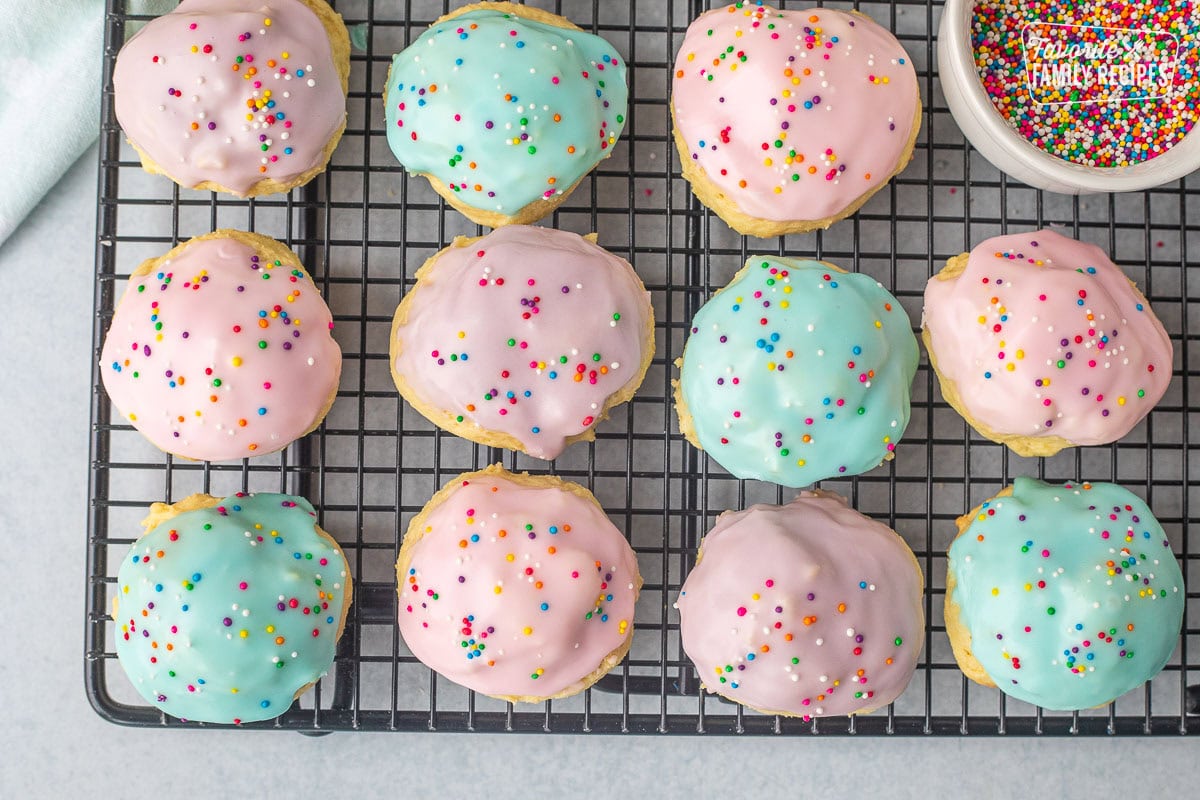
54,745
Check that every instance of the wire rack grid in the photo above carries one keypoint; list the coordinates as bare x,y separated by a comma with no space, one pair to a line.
364,227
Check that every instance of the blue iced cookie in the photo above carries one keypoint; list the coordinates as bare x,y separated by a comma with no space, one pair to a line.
797,371
227,610
1062,596
504,109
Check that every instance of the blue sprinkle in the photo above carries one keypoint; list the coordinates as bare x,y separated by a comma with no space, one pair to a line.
264,703
535,429
158,587
545,606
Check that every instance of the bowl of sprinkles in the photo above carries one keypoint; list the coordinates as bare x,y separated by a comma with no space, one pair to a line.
1076,97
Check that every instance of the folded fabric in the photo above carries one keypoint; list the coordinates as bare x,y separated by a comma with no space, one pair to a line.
49,92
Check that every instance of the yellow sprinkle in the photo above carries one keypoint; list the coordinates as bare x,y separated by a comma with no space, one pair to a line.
527,630
244,633
267,22
509,557
233,691
285,54
1120,401
270,629
498,590
236,361
995,591
462,334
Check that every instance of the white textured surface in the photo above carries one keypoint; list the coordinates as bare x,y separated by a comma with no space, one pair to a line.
53,745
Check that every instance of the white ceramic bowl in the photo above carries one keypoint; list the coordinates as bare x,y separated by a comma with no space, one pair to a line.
1015,155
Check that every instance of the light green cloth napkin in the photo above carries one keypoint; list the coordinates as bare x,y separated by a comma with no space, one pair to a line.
51,53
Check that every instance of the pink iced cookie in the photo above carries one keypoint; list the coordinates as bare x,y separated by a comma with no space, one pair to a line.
787,121
247,98
808,609
221,349
516,586
1041,343
524,338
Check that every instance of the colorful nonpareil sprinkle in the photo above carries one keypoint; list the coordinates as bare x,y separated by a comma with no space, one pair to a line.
213,92
527,332
219,353
1042,335
808,609
793,114
1070,593
504,110
1101,83
225,611
796,372
515,588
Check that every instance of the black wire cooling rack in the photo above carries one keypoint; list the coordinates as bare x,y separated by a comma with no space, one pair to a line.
364,227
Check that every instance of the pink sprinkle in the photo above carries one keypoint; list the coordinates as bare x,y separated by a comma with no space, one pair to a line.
742,611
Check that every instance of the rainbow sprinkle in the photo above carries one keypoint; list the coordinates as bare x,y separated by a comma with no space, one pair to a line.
1084,108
